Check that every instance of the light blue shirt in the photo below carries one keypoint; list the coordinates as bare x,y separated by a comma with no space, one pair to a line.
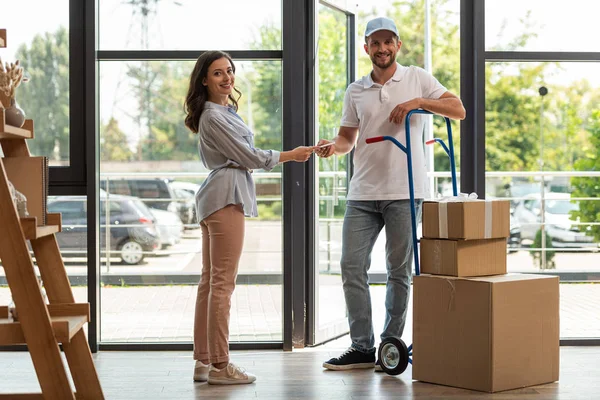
226,140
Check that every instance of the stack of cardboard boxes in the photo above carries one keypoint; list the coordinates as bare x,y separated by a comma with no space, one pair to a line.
475,326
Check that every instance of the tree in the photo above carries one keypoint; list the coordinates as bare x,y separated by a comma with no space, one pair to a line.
160,89
45,98
113,143
537,254
589,210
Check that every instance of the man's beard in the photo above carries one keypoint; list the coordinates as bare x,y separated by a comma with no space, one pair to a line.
382,65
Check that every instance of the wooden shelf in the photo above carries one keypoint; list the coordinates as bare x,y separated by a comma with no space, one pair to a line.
32,231
67,320
46,325
12,132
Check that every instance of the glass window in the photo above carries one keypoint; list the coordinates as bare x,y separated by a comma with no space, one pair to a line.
527,131
41,44
148,153
189,25
118,187
533,25
69,209
541,152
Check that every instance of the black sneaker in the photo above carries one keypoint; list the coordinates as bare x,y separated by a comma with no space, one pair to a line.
351,359
378,367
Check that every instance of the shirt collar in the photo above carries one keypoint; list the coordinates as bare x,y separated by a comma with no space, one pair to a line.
397,77
210,104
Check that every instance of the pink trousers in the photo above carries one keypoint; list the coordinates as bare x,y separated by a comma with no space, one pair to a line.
222,242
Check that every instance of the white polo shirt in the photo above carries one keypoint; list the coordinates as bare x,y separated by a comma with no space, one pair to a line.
380,169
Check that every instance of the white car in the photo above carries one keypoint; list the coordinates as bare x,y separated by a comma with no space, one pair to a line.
189,187
560,225
169,227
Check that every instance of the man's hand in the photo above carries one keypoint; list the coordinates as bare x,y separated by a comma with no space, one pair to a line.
399,112
325,148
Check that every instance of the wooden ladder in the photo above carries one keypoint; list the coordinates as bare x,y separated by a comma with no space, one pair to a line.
41,326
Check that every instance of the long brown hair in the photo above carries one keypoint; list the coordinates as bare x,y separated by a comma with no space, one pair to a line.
197,92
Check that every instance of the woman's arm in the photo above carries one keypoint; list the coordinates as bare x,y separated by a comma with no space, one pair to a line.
299,154
220,135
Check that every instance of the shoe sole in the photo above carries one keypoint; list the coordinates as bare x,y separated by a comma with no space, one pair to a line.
215,381
334,367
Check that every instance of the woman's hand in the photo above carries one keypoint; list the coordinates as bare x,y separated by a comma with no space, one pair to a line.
302,153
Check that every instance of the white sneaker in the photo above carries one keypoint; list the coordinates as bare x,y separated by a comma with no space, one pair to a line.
201,371
230,375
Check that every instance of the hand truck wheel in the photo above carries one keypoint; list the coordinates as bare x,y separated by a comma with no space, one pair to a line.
393,356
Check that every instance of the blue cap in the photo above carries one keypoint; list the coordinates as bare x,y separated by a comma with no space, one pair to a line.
380,24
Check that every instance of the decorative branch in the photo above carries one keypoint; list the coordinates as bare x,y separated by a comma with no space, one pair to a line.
11,76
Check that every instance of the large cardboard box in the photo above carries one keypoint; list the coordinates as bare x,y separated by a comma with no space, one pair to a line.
463,257
473,219
488,333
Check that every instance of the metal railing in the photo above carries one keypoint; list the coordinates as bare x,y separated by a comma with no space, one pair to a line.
541,178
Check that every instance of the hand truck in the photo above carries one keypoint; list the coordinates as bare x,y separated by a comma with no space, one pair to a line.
393,354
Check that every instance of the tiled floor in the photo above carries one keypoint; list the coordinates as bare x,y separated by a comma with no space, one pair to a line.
165,313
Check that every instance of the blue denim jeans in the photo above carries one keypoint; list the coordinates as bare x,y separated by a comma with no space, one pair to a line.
362,223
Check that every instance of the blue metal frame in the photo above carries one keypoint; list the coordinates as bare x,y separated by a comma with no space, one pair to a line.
406,149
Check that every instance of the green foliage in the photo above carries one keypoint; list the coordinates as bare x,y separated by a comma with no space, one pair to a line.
589,210
113,143
45,98
271,211
160,88
332,78
537,254
265,82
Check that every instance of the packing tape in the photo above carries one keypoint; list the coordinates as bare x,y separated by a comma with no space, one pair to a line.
452,291
436,257
488,220
443,220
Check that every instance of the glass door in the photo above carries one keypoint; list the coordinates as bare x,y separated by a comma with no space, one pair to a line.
334,70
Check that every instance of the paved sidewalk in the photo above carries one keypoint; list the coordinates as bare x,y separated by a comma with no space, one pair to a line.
165,313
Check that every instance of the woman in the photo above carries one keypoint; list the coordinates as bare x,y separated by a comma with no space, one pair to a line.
226,147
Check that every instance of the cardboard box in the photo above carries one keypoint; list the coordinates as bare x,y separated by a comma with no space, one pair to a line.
473,219
489,333
463,257
29,175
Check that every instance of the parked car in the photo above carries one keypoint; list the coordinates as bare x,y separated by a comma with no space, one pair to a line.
188,190
514,239
560,225
169,227
155,193
187,202
132,231
190,187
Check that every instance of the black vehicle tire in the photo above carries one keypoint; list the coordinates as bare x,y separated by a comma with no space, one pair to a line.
393,356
